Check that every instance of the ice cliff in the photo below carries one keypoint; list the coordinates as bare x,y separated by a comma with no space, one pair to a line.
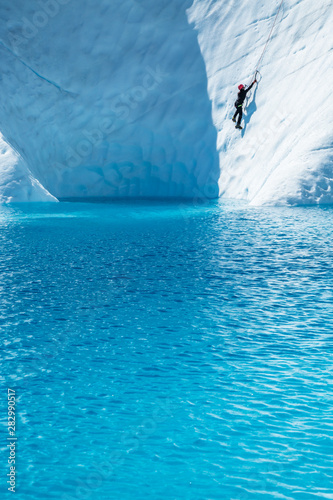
106,98
135,97
285,152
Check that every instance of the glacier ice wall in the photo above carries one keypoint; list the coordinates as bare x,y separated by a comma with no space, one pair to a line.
284,155
103,98
135,98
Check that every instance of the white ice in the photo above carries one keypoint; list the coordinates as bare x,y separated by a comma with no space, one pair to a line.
284,154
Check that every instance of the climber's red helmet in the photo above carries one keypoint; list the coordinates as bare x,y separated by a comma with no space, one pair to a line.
240,87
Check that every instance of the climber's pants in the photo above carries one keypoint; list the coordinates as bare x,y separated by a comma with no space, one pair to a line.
239,113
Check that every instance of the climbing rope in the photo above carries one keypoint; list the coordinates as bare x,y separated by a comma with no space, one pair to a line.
268,40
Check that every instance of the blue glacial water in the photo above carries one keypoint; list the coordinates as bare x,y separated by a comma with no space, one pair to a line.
167,351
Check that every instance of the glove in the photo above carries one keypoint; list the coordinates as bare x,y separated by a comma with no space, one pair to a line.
255,81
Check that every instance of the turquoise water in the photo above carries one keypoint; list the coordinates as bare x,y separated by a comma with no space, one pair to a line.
168,351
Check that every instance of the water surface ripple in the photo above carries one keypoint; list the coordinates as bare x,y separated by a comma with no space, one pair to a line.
168,351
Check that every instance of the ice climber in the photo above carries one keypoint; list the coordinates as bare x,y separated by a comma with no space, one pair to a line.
239,103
